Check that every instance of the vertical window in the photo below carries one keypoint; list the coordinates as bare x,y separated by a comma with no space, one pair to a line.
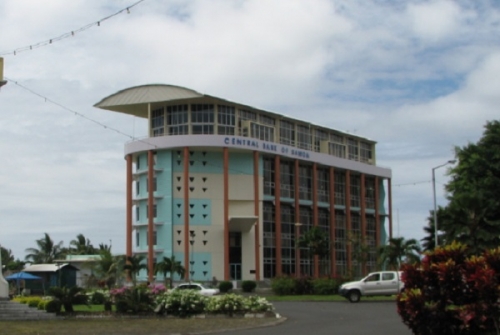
352,145
355,190
202,119
268,176
264,119
264,133
306,267
225,120
137,212
158,122
365,152
323,185
269,241
340,244
287,133
287,179
370,192
371,241
137,236
340,193
287,239
305,182
324,225
304,137
137,187
177,120
138,163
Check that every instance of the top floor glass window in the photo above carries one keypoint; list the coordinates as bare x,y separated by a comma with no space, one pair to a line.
287,133
158,122
365,152
177,120
226,119
264,119
319,136
352,146
304,137
202,119
244,115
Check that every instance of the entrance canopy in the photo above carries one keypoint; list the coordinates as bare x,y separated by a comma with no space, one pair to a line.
242,224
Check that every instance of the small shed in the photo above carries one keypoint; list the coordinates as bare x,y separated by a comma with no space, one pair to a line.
54,274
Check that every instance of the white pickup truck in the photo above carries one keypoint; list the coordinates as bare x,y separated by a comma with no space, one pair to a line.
376,283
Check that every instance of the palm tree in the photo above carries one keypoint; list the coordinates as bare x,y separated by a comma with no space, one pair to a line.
399,251
107,268
171,266
134,265
81,246
47,251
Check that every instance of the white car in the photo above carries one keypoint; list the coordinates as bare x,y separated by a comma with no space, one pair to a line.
198,288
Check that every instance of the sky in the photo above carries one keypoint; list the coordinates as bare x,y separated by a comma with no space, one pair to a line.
419,77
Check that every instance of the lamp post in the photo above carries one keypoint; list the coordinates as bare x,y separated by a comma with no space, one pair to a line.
297,249
434,191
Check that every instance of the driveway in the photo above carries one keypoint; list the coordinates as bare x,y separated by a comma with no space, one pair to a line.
339,318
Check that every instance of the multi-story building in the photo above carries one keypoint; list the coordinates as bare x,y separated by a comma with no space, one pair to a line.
228,189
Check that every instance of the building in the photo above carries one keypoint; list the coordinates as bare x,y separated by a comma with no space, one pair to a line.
227,188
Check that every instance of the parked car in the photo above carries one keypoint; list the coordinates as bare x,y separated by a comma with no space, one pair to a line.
376,283
197,287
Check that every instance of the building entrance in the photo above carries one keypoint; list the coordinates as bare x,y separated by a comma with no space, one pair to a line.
235,255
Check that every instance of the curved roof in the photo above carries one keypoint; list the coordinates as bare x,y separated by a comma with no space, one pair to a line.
135,100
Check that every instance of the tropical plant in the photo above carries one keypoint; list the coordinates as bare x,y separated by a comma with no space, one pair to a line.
134,265
107,268
81,246
315,242
360,251
450,292
171,266
399,251
46,252
69,296
134,300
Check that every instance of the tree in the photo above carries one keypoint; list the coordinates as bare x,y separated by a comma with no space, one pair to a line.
107,268
473,213
399,251
171,266
316,243
134,264
9,262
81,246
360,252
47,251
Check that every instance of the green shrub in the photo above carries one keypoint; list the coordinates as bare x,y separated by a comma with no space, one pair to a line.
97,298
182,302
69,296
325,286
248,285
226,304
133,299
34,301
53,306
42,304
225,286
303,285
283,286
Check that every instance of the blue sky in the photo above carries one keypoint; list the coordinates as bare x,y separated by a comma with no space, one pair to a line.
419,77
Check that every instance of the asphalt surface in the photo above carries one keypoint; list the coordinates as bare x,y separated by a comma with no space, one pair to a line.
339,318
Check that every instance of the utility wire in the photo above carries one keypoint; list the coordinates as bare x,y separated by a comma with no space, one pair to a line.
69,34
79,114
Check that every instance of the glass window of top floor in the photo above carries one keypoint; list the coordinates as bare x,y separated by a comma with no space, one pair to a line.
224,119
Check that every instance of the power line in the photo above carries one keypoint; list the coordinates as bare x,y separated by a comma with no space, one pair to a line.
80,114
69,34
414,183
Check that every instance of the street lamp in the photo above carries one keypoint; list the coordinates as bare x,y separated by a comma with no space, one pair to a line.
453,161
297,249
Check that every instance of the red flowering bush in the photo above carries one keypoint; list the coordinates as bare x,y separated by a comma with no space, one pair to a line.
451,293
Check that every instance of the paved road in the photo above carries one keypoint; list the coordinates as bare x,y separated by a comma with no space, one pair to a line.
339,318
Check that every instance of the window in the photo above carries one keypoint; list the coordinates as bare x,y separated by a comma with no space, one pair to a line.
244,115
373,277
287,179
138,163
323,185
352,145
264,119
137,212
337,150
264,133
388,276
319,136
365,152
287,240
137,187
177,119
269,241
340,188
287,133
370,193
355,191
305,213
304,137
137,236
158,122
226,120
268,176
340,244
154,238
202,119
305,183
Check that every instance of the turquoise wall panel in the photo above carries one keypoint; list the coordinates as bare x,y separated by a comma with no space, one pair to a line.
200,212
381,191
241,163
199,161
200,265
